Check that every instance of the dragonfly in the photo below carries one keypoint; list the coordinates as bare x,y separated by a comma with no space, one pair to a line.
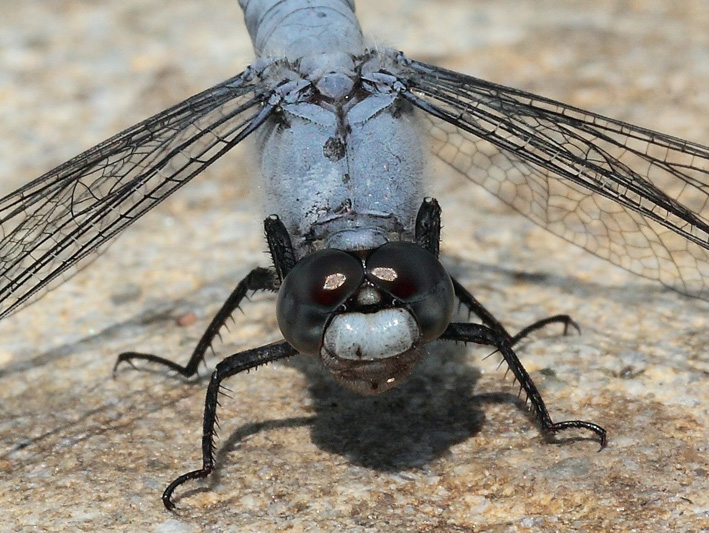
342,132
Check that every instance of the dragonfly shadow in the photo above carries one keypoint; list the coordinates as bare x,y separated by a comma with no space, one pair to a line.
406,427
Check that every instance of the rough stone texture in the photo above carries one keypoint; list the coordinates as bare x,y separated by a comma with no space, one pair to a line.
451,450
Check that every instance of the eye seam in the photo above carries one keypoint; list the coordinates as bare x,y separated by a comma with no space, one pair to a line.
416,280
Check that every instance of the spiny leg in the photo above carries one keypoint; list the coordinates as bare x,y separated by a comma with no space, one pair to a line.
476,308
428,235
427,230
482,334
259,279
280,246
232,365
256,280
566,320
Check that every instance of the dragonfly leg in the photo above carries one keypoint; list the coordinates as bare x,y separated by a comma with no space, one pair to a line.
566,320
257,279
232,365
476,308
279,245
427,233
482,334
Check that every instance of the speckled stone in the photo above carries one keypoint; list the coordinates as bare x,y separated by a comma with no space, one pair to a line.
451,449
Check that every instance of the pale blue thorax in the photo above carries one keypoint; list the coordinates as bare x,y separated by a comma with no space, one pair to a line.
342,169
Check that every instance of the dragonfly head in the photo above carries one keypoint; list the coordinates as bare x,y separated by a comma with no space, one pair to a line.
366,314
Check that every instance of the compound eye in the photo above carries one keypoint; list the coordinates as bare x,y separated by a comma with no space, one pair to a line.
315,287
415,277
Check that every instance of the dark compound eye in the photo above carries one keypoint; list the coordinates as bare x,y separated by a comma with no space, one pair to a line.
315,287
415,277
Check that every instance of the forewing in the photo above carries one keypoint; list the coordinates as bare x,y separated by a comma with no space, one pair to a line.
633,196
54,223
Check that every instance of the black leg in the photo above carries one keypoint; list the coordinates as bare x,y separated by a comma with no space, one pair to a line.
566,320
279,245
259,279
428,236
232,365
428,226
492,332
483,334
476,308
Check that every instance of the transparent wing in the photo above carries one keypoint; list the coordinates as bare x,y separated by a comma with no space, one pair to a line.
54,223
633,196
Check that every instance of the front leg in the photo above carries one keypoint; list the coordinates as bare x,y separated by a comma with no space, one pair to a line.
428,234
476,308
232,365
259,279
483,334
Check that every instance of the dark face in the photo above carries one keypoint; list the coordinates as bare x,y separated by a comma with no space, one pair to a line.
366,314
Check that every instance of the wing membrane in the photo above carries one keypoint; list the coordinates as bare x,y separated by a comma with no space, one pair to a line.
59,220
633,196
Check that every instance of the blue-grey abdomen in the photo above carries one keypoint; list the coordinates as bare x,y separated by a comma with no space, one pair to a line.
296,28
